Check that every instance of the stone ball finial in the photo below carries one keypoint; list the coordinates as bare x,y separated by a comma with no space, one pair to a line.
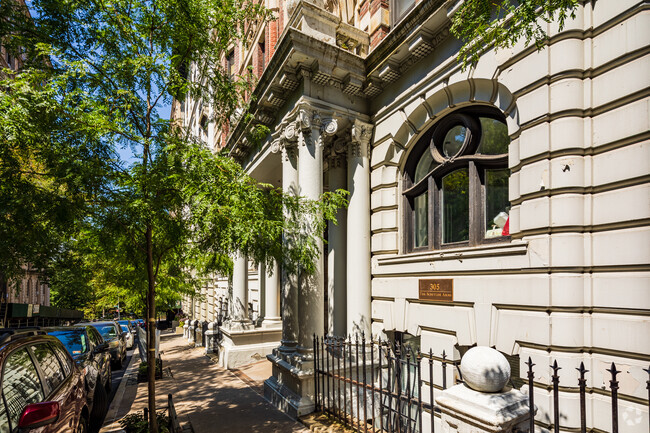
485,369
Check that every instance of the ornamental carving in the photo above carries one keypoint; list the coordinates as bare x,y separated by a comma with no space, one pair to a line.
303,119
337,152
329,127
361,133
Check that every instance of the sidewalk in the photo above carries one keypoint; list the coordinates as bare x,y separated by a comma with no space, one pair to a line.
207,397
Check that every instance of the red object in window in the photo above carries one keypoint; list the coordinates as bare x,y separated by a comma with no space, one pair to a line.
506,228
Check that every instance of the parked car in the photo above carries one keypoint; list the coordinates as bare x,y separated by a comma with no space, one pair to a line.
115,337
42,387
90,351
129,323
128,338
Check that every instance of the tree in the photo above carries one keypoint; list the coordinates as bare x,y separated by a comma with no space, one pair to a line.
44,181
484,23
178,210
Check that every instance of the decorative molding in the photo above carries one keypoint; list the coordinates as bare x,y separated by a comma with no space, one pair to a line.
360,136
337,153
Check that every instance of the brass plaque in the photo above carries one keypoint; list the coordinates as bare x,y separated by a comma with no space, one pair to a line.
437,290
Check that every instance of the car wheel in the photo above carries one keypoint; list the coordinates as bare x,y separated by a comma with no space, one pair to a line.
100,401
118,363
82,427
109,381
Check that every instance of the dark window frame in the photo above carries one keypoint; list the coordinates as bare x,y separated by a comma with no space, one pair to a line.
230,63
477,166
394,17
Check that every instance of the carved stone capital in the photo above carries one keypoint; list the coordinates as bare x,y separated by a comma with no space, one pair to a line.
304,118
336,155
329,127
360,136
290,132
289,151
276,146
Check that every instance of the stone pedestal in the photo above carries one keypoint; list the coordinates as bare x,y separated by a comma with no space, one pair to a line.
465,410
482,404
191,331
243,346
210,337
291,387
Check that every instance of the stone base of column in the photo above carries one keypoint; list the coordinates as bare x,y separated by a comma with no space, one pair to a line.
243,346
473,411
272,323
291,388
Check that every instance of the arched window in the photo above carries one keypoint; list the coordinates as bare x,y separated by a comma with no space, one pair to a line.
456,182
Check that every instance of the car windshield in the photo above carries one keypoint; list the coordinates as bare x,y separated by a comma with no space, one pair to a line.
124,328
74,340
107,331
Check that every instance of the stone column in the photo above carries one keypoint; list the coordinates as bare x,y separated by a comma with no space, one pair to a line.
358,239
239,305
271,300
336,246
310,175
289,281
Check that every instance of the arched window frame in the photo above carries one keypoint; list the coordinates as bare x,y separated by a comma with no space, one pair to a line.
467,158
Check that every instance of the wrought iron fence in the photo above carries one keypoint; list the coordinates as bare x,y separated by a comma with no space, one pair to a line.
374,386
377,386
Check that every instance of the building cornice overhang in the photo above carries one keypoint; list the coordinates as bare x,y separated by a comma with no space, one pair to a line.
415,37
325,58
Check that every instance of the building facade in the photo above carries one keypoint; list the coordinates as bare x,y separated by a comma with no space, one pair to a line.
507,205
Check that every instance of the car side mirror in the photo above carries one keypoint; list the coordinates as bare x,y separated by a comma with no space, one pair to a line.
101,348
39,414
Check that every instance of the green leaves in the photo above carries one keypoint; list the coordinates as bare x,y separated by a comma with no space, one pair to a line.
97,79
485,23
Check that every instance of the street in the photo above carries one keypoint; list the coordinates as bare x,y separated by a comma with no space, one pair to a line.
116,378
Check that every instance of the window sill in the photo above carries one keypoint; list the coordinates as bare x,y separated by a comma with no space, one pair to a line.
514,248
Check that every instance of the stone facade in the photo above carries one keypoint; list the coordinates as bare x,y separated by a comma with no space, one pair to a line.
350,104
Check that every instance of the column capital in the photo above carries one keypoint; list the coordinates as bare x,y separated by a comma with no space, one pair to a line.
337,153
360,136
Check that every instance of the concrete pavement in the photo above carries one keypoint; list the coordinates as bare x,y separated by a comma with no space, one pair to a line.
207,397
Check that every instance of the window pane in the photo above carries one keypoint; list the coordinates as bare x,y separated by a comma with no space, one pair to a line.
496,202
49,365
425,165
454,140
494,137
421,209
401,6
74,340
63,359
20,384
455,206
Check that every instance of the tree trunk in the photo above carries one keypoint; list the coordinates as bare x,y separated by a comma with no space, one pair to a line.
151,334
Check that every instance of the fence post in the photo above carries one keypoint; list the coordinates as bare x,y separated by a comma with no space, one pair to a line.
582,383
531,396
613,384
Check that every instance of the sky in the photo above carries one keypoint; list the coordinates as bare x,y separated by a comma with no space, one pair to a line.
125,154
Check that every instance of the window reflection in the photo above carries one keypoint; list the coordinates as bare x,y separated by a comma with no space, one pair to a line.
20,384
496,202
455,206
454,140
421,205
494,137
